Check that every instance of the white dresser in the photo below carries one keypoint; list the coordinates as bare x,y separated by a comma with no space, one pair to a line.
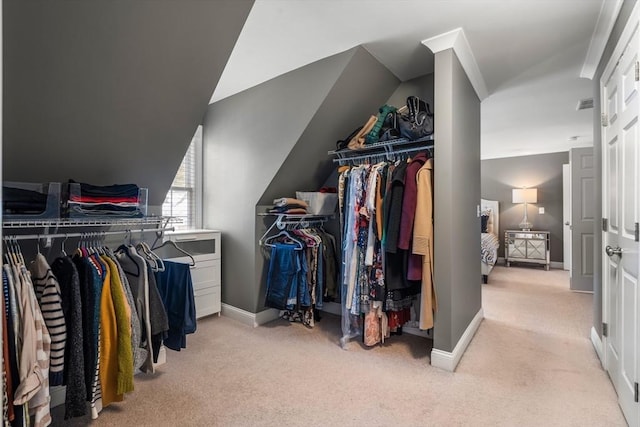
204,246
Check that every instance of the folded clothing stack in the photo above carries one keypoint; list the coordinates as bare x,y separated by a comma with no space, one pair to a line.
290,206
120,200
18,201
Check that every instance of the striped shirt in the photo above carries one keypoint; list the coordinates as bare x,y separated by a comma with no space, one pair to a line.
47,292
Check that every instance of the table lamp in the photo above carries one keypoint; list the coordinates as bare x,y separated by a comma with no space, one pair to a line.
525,195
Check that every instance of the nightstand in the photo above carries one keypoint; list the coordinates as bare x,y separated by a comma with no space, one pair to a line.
528,247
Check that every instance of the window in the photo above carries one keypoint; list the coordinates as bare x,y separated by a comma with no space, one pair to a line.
184,199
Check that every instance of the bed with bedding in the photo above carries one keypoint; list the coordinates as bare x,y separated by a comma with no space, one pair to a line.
489,241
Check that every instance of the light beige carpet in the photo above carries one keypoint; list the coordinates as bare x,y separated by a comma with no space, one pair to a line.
530,364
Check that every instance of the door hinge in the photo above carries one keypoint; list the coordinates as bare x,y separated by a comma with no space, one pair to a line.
605,224
635,394
604,120
637,233
605,330
637,70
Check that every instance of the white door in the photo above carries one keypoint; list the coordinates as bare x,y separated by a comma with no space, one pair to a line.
583,206
566,218
621,206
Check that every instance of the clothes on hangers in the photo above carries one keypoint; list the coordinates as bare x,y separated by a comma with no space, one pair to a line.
302,273
76,323
32,349
76,394
48,295
382,271
175,289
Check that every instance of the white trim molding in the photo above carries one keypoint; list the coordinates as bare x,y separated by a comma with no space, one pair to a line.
456,40
449,360
623,41
250,319
597,345
606,20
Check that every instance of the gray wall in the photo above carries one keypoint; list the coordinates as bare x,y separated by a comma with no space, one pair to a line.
457,193
421,87
623,17
271,140
110,91
544,172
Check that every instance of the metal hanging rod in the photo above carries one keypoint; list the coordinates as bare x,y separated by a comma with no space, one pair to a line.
285,220
388,155
86,234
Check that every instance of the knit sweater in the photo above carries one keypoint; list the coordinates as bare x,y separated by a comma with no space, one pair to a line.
135,268
123,333
34,354
76,395
50,301
108,344
139,354
86,276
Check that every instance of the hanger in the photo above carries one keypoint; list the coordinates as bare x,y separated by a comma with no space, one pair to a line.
156,261
16,251
283,233
9,254
62,251
179,249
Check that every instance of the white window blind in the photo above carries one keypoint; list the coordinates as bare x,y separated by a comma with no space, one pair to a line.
183,200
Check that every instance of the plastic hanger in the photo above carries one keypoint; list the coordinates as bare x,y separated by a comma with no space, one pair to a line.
179,249
283,233
62,251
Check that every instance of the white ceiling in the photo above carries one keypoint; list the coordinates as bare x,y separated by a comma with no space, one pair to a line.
529,52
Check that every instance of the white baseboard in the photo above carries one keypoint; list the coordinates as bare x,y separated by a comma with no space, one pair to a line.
597,345
248,318
266,316
553,264
449,360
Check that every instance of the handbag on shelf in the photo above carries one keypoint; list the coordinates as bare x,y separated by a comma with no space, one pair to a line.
358,141
341,144
390,128
418,122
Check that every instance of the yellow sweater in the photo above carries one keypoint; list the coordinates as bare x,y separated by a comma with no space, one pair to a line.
111,321
123,322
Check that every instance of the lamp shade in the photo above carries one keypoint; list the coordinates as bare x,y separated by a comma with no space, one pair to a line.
524,195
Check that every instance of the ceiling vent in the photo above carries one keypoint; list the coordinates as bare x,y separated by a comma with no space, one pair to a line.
585,104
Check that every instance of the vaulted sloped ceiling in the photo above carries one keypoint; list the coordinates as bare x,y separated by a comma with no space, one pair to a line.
110,91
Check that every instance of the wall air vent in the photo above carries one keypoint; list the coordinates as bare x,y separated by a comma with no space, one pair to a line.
585,104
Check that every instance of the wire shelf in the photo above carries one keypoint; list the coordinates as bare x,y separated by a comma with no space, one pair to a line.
87,222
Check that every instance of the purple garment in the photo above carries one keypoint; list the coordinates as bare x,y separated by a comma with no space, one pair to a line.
409,200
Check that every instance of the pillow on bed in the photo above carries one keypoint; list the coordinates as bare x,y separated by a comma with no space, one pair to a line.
489,226
484,222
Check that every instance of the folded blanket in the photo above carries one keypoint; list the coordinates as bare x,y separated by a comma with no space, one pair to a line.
290,201
290,211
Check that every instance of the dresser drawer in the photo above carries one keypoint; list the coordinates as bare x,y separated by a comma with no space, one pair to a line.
206,271
208,301
197,242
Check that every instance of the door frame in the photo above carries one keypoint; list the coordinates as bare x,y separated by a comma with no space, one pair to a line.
566,217
621,45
